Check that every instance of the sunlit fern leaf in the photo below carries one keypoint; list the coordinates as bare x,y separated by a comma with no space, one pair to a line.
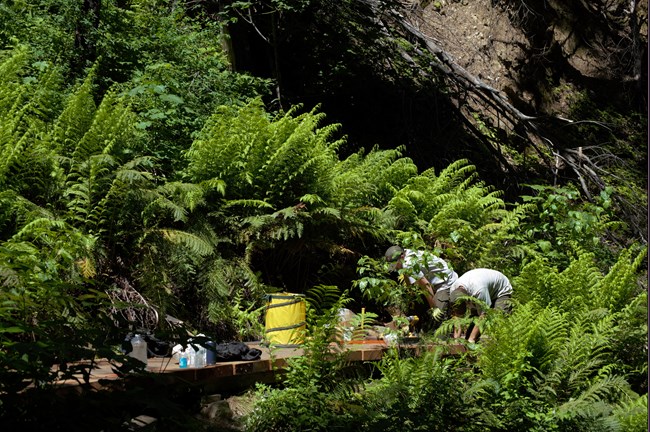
507,353
328,211
454,207
252,203
619,286
100,132
189,195
76,117
164,205
38,228
214,184
11,63
193,242
312,199
371,179
322,297
26,161
584,353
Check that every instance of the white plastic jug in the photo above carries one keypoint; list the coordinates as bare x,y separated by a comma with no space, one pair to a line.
139,350
199,358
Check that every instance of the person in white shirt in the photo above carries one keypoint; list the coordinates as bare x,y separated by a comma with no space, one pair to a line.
490,286
426,270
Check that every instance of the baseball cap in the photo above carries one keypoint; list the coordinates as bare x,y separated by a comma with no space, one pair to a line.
392,255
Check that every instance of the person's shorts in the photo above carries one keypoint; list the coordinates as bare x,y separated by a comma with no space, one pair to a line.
504,303
441,301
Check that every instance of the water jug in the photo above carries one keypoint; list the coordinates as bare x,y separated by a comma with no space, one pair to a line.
139,349
199,358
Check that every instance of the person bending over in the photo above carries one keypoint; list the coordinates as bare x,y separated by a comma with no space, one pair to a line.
490,286
428,271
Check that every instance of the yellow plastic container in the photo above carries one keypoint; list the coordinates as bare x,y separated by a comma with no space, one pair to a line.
285,319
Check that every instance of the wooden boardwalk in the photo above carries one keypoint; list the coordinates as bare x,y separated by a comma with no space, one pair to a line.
239,375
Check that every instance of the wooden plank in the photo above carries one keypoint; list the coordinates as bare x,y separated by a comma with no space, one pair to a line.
272,363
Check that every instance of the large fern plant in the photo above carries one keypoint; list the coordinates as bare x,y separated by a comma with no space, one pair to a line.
275,183
76,191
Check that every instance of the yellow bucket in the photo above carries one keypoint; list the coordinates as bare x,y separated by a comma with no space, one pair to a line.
285,319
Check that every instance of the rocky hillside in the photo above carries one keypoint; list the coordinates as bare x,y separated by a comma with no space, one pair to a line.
565,64
527,49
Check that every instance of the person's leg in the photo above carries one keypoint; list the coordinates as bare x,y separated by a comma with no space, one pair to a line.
474,313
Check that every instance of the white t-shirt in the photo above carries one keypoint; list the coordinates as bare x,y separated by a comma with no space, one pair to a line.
484,284
424,264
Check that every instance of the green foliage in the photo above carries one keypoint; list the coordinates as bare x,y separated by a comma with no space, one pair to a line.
419,394
558,353
374,283
581,284
632,414
174,70
321,298
562,222
371,179
245,316
630,343
362,323
618,143
236,299
620,285
275,160
75,187
454,209
48,26
377,285
95,198
44,321
282,188
27,163
167,63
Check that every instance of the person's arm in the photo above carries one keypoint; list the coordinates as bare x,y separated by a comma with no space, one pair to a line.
474,334
457,332
428,291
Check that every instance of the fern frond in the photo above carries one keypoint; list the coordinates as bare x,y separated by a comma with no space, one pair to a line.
632,413
109,132
214,184
595,400
18,211
252,203
11,65
323,297
194,243
188,195
76,117
618,287
38,229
